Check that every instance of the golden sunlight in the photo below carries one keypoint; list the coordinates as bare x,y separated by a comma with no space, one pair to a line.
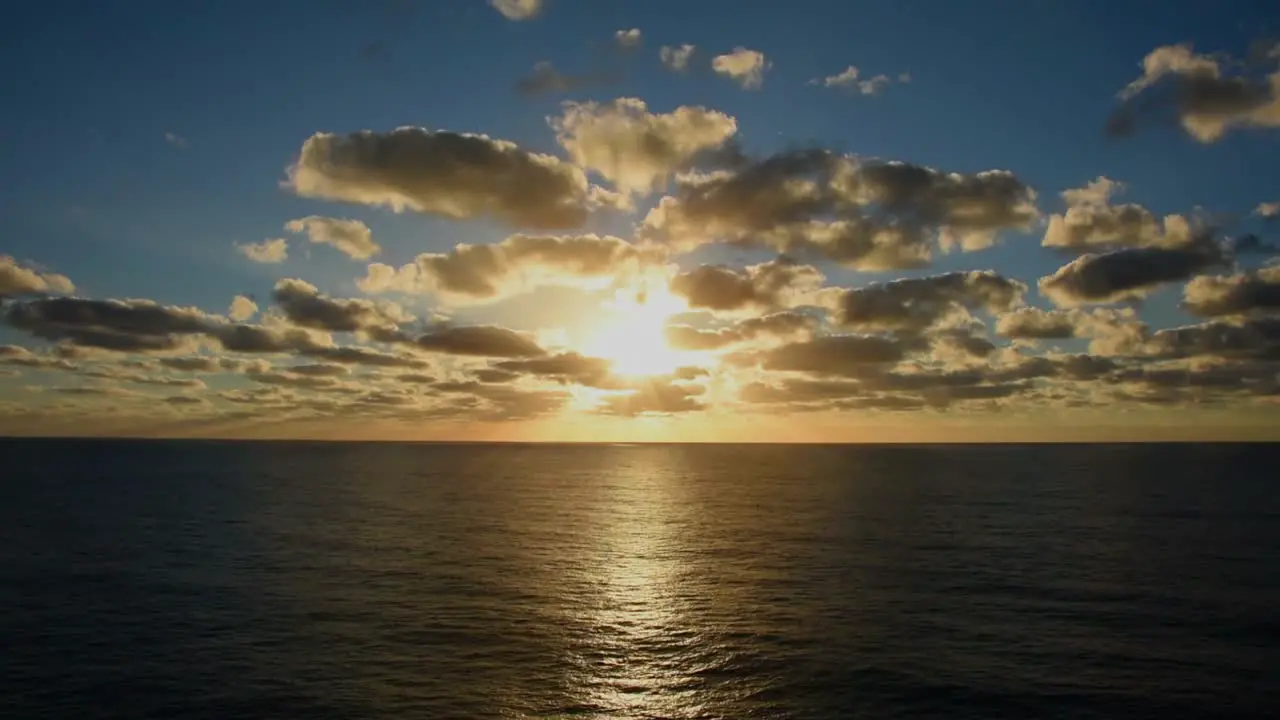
630,333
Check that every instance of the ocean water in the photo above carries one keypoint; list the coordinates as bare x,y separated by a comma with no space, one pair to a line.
296,580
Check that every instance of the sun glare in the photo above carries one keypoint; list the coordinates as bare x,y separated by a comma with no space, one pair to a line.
631,333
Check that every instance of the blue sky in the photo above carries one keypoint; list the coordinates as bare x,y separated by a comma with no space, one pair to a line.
144,139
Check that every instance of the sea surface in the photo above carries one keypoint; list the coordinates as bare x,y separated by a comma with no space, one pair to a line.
307,580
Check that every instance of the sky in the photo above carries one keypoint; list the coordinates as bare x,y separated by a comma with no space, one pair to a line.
564,220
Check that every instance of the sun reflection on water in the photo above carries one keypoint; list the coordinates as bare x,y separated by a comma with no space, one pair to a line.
642,645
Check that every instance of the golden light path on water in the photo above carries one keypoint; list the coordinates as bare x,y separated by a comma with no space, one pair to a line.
650,639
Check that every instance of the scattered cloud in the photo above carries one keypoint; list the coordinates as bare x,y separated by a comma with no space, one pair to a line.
517,264
455,175
1206,100
480,341
1091,222
268,251
849,79
916,304
773,327
352,237
638,151
766,287
517,9
242,308
1127,274
1241,294
304,305
1268,209
175,140
865,214
16,279
743,66
544,79
676,57
656,398
628,39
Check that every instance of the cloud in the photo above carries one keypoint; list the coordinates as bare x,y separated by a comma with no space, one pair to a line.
743,66
765,287
1112,331
352,237
1205,100
1091,222
296,380
844,79
865,214
200,363
1268,209
267,251
480,341
1127,274
627,39
568,367
637,150
517,9
242,308
847,79
305,306
438,172
22,357
841,355
676,58
489,272
660,397
772,327
18,280
1242,294
119,325
916,304
1253,338
175,140
544,79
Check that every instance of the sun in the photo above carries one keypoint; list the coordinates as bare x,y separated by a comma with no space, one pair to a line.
631,333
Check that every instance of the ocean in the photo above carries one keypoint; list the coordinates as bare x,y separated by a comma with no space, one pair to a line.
227,580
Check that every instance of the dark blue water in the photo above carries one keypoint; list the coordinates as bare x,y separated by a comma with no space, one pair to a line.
207,580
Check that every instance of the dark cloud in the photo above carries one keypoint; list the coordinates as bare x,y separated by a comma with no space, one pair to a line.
915,304
1125,274
119,325
305,306
443,173
867,214
1196,90
776,284
841,355
295,380
480,341
363,356
780,325
321,370
565,367
1214,296
493,375
1257,338
200,363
